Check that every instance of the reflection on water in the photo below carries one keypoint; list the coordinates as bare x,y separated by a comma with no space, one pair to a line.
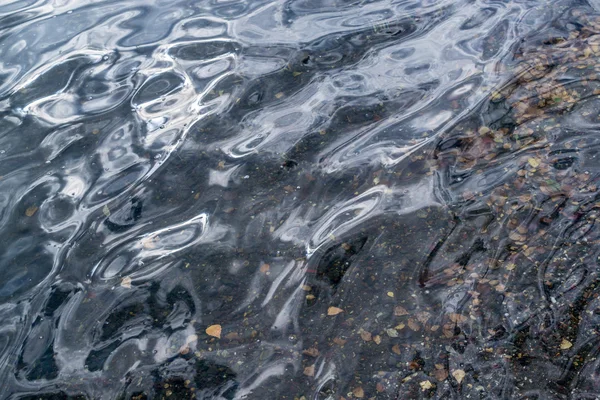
301,199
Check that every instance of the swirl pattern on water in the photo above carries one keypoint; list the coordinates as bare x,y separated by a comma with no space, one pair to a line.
371,199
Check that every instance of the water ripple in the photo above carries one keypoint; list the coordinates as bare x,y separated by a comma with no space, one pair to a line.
299,199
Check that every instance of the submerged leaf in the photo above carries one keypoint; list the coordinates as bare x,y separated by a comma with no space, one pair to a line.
214,330
126,282
366,336
334,311
459,375
313,352
31,210
264,268
534,162
565,344
309,371
358,392
400,311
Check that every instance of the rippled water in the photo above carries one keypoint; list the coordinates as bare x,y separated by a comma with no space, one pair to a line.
300,199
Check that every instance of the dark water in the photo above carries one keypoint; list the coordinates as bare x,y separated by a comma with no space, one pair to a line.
300,199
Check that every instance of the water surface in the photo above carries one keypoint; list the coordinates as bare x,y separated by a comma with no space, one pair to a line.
299,199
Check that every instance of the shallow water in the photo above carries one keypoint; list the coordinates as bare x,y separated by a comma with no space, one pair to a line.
299,199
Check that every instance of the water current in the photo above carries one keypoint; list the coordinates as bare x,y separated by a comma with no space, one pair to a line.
299,199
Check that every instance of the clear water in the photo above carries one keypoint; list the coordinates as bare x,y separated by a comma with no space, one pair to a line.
300,199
